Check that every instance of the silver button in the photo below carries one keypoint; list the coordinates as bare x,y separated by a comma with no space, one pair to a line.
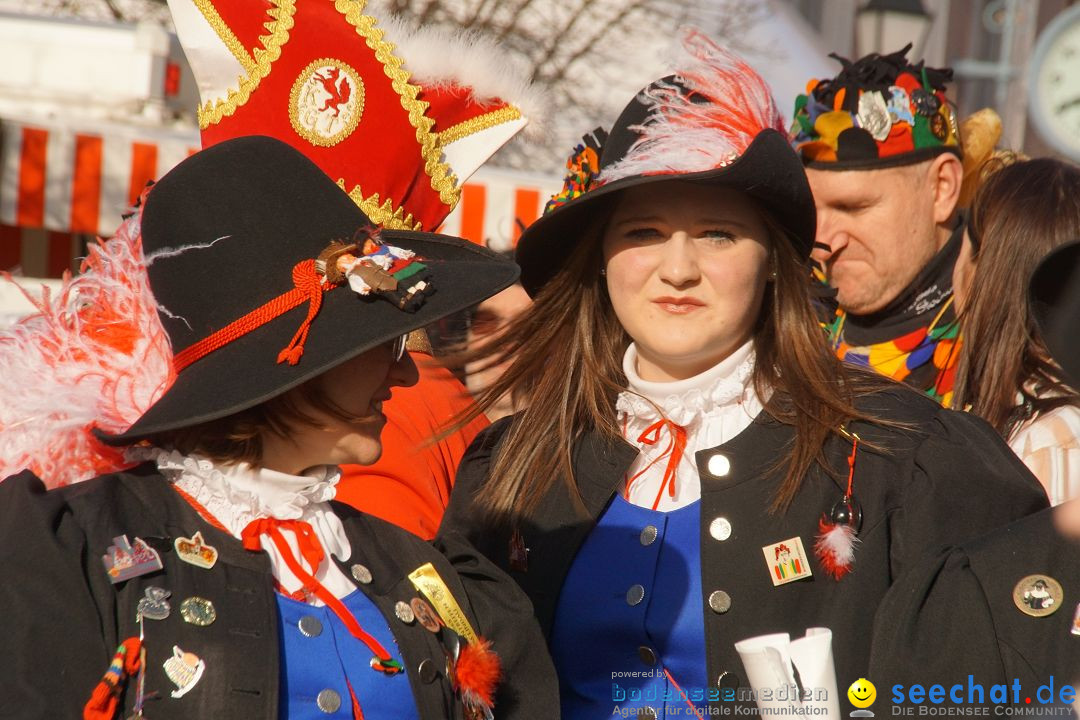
427,671
647,655
720,602
361,574
328,701
648,535
647,712
719,465
720,529
728,681
310,626
635,594
404,612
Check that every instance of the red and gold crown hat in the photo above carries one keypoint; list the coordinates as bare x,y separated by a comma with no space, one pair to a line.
398,117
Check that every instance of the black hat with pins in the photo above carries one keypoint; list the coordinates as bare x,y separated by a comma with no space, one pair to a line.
251,250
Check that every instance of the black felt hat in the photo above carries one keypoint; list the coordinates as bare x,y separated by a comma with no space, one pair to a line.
234,230
713,123
1055,302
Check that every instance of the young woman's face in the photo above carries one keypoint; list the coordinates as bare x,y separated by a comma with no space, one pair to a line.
359,387
686,269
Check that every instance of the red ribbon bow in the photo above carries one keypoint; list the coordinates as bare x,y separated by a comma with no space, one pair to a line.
312,552
674,452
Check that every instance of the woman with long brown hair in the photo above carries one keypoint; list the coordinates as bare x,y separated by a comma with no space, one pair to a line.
693,467
1006,375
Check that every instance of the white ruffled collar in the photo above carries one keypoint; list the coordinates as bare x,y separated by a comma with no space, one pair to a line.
685,402
253,493
237,494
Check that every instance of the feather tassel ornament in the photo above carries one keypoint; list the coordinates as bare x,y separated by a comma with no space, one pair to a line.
838,531
683,134
476,675
94,356
835,547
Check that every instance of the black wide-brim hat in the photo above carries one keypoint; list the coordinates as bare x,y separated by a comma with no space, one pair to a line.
222,233
1055,302
769,171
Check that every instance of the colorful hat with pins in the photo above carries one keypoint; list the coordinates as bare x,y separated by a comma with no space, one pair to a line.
399,117
879,111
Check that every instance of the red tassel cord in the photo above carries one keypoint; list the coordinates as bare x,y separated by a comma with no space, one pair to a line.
476,675
106,695
837,532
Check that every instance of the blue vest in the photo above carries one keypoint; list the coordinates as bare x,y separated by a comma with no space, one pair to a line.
629,610
320,659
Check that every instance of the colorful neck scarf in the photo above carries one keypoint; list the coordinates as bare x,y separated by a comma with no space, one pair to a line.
916,339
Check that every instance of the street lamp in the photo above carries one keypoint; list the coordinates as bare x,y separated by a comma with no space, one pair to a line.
885,26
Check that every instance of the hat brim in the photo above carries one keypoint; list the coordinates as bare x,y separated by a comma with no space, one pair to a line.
768,171
892,161
245,372
1054,292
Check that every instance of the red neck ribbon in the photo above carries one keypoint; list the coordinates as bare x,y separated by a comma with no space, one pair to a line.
673,452
312,552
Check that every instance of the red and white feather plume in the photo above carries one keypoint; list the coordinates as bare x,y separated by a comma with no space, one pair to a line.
93,356
685,135
835,547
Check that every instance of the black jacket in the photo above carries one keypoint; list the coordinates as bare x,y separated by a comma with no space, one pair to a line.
946,478
64,619
955,616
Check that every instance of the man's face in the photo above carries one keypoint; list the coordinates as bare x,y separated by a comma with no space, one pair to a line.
875,231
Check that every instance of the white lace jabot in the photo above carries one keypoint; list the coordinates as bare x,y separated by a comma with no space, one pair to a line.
712,407
237,494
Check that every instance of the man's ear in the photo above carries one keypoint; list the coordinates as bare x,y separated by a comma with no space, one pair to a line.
946,175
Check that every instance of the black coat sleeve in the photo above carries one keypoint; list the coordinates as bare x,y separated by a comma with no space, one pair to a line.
965,481
935,627
55,647
529,686
463,515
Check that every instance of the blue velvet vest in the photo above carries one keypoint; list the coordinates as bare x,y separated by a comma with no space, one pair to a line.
321,660
629,619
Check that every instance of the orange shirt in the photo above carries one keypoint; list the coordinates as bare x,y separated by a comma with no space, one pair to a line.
410,484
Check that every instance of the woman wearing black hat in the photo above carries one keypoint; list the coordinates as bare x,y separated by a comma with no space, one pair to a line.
693,467
217,576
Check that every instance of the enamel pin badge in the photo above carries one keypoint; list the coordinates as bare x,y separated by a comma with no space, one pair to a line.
787,561
125,560
1038,595
195,551
184,669
155,606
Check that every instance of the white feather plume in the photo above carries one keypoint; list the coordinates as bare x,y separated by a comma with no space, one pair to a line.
437,58
95,356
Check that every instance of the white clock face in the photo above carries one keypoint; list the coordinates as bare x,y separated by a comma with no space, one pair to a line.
1055,83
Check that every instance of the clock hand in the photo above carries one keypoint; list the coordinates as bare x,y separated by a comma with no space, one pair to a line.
1068,104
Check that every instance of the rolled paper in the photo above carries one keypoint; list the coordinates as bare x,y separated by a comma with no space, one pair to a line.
770,662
